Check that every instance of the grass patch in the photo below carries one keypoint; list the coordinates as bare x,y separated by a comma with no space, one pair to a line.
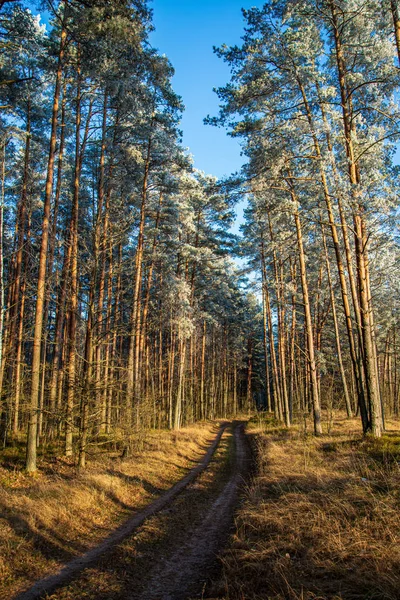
385,449
320,520
126,571
60,513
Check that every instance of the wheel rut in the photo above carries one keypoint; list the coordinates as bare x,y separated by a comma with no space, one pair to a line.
163,551
182,575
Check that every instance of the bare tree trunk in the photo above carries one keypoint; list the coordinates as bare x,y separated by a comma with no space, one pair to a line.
180,388
41,288
18,356
360,241
170,383
100,253
283,396
396,22
282,337
106,397
336,244
59,328
292,340
336,328
2,294
265,327
73,299
133,383
202,370
149,280
235,386
308,324
249,403
276,392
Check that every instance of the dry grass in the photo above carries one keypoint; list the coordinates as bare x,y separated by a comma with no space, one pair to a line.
321,519
48,520
127,570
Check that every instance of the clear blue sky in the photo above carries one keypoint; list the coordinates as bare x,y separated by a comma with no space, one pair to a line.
186,31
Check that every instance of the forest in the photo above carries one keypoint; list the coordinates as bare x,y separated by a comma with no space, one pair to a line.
129,308
122,306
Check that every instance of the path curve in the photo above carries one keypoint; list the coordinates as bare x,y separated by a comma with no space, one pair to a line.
73,568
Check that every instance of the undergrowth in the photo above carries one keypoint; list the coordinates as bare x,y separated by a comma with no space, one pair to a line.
321,518
60,513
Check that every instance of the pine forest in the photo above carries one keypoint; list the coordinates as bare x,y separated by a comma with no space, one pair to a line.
195,403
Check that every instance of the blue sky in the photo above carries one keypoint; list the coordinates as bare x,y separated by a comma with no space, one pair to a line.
186,31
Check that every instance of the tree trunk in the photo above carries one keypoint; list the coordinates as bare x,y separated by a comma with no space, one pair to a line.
336,329
265,327
133,384
396,22
73,298
360,240
41,286
308,324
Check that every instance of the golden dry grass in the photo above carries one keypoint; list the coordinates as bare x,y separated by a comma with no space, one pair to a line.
321,519
128,569
50,519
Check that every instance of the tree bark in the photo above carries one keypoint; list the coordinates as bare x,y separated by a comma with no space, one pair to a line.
360,240
308,323
41,286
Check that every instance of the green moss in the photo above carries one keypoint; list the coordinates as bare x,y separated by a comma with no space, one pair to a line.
385,449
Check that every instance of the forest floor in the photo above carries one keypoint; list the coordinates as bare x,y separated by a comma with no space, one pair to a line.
321,518
51,519
62,524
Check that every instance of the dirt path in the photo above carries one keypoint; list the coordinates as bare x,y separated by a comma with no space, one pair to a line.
163,552
181,575
46,586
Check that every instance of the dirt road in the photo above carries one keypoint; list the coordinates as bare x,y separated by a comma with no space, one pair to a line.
165,551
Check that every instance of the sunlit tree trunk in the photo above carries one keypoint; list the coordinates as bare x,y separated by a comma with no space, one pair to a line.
73,296
336,329
133,379
396,23
180,386
283,396
293,272
360,241
336,245
308,322
276,392
41,281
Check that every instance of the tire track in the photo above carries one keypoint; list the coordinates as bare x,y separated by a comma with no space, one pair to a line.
68,572
182,574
